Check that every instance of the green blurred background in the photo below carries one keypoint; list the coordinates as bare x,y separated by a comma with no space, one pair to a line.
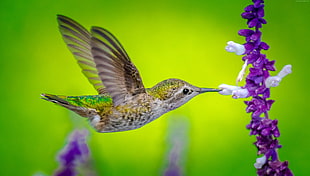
165,39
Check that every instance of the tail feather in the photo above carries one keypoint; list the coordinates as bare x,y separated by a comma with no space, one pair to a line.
54,98
72,103
60,100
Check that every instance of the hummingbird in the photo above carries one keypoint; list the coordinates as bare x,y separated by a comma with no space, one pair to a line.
122,102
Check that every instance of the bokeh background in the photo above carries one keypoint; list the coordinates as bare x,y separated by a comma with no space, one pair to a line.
165,39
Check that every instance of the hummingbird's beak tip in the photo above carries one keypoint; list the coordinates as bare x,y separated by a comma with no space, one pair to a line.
203,90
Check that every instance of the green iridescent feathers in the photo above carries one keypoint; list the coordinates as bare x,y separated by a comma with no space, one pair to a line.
89,101
165,89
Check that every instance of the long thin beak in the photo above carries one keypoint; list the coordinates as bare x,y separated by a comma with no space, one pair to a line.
203,90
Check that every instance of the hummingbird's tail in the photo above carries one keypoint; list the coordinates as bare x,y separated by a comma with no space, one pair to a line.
55,99
62,101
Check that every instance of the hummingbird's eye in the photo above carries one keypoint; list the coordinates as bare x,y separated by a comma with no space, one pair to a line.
185,91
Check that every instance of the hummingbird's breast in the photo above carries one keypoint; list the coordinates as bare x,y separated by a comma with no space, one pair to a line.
135,113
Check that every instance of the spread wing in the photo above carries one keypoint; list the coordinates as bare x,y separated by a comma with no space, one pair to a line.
78,40
118,74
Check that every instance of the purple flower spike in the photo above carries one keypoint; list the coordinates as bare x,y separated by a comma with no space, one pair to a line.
177,138
258,84
74,154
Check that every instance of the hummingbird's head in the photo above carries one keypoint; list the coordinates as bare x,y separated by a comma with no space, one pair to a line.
176,92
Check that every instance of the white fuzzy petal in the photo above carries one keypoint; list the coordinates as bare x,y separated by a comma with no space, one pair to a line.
240,93
235,47
274,81
260,162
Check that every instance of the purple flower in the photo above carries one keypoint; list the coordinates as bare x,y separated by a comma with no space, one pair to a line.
258,83
74,154
177,138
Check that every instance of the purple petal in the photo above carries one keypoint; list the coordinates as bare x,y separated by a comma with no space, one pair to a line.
259,63
259,25
245,32
248,126
267,122
260,12
68,171
269,103
253,132
288,172
248,39
252,23
275,122
270,65
258,79
264,46
262,20
255,72
256,36
247,102
244,58
266,93
274,143
249,46
249,8
247,15
257,113
258,6
250,108
266,132
276,132
252,57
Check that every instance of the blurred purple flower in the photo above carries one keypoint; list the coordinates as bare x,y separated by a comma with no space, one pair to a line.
74,154
258,83
178,139
275,168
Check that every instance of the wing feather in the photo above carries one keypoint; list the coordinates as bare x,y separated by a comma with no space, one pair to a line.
78,40
118,74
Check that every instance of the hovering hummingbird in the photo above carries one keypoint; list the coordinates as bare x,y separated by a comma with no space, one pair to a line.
122,102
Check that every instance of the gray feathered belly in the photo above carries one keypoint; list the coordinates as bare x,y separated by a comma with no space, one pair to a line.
122,121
